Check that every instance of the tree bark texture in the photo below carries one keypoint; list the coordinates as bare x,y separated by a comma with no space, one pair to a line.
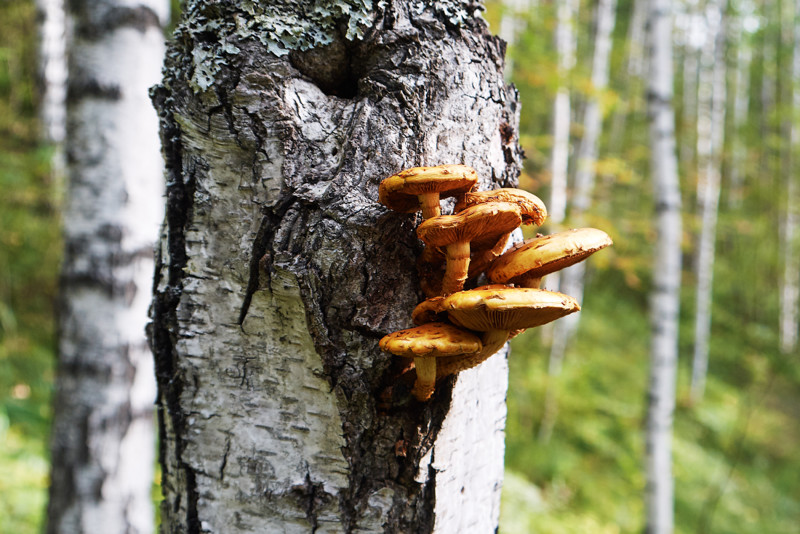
103,435
279,271
665,301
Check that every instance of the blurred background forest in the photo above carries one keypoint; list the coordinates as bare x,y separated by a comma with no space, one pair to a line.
736,459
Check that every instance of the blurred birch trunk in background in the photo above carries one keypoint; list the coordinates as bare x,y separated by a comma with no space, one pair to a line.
103,439
572,278
566,11
665,302
790,286
710,143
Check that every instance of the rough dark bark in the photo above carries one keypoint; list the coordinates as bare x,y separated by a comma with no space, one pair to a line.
279,271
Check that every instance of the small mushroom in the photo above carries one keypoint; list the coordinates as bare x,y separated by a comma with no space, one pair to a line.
497,312
425,344
531,207
526,263
532,211
421,188
455,232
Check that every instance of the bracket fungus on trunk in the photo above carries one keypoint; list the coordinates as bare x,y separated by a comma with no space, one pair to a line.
526,263
421,188
458,329
425,344
455,232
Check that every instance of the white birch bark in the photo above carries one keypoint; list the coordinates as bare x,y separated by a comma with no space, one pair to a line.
513,23
711,137
695,40
665,303
279,271
741,103
53,68
572,278
559,160
790,287
633,74
103,436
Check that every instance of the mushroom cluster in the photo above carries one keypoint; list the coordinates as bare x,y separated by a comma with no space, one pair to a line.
459,328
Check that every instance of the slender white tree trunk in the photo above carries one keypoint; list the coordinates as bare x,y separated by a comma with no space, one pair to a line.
572,278
279,271
633,74
696,35
559,161
665,302
53,68
103,439
741,104
790,290
512,23
711,137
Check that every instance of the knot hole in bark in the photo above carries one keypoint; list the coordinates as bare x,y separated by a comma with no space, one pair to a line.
329,67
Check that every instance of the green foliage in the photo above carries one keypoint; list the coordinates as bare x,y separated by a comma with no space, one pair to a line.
29,255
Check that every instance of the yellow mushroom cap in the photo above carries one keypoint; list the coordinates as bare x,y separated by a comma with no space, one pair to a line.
507,308
532,209
478,222
431,340
543,255
400,192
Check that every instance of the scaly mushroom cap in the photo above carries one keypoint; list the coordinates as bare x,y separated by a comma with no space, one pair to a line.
507,308
482,221
431,340
400,192
543,255
531,207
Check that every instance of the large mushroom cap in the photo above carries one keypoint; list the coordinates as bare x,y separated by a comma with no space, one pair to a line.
543,255
400,192
532,209
482,221
507,308
431,340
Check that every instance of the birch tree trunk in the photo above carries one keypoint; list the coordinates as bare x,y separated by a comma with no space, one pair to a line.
633,74
278,271
565,49
103,439
741,104
665,303
572,278
53,68
790,287
695,40
711,137
512,23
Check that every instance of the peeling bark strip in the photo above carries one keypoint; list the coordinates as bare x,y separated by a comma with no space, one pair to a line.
278,270
103,437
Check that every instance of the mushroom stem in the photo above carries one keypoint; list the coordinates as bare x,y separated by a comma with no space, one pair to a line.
527,280
492,340
457,267
482,260
429,202
426,378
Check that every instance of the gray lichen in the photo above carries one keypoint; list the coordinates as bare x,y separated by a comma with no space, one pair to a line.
286,25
